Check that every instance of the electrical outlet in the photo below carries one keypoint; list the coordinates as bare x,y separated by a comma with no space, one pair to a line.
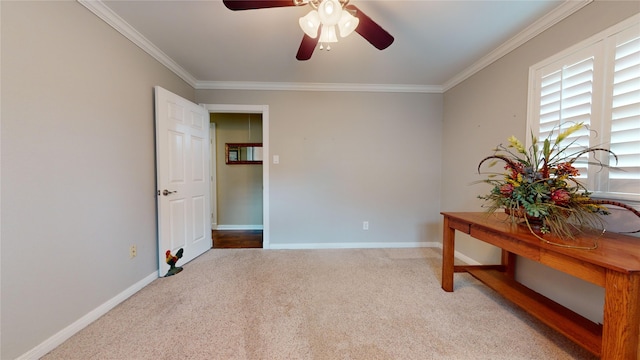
133,251
365,225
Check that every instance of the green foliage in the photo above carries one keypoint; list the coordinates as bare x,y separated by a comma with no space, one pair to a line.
542,183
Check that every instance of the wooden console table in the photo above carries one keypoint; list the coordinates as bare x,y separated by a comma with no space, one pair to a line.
614,265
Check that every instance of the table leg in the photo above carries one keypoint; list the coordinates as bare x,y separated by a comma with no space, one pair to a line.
509,261
621,328
448,249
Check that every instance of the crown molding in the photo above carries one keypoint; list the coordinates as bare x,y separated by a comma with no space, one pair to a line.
115,21
555,16
283,86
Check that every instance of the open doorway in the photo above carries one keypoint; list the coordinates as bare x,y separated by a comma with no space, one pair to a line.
247,233
237,161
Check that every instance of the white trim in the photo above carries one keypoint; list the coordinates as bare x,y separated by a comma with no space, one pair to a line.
254,109
555,16
266,215
64,334
240,227
464,258
610,31
458,255
213,174
235,108
119,24
0,190
283,86
355,245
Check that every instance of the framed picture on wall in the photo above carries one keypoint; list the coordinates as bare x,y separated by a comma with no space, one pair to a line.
243,153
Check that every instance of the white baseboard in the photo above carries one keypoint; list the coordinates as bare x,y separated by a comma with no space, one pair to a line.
374,245
239,227
63,335
458,255
467,260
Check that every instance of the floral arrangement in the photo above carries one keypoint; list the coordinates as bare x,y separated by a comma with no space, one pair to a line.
540,185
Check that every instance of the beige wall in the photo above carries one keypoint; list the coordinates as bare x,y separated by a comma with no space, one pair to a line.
77,160
367,157
490,106
78,178
238,187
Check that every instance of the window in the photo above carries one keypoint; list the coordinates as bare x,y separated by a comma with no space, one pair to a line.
596,82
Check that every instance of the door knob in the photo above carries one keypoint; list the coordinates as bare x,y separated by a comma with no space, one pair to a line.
166,192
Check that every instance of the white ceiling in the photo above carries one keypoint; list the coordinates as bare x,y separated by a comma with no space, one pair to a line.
437,42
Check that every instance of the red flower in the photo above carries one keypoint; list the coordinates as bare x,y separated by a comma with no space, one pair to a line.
506,190
566,169
560,197
516,169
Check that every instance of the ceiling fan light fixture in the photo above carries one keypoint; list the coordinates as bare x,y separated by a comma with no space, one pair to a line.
330,12
310,23
347,23
328,34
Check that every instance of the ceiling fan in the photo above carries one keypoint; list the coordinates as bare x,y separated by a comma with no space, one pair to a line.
319,25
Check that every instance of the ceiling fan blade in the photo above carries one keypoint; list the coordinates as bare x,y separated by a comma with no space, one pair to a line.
307,46
256,4
370,30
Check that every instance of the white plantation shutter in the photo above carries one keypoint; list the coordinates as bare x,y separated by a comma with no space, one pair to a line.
597,83
625,116
565,99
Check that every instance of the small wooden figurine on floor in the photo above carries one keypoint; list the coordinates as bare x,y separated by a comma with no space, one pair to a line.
172,260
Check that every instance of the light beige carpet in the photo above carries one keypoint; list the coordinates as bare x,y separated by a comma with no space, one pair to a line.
316,304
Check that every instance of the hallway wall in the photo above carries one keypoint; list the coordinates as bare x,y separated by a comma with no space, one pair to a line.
238,187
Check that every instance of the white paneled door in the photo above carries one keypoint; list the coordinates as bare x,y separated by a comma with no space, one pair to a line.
182,161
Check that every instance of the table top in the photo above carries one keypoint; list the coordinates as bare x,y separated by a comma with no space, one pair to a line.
615,251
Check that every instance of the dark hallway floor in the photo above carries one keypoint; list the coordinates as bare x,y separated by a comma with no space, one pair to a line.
234,239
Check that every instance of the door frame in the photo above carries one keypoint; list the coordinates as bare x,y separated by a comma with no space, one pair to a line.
254,109
213,186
